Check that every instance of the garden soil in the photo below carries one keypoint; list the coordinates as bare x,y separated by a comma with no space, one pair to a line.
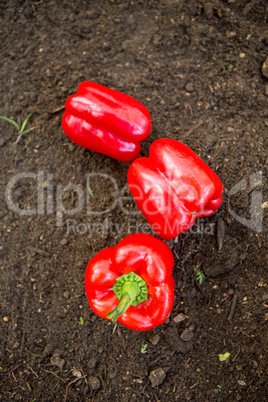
199,67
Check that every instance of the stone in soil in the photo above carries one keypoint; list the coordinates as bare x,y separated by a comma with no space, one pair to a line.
189,87
157,377
92,362
56,360
154,339
179,318
94,383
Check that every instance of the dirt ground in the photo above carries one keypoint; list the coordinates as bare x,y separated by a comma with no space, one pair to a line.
197,66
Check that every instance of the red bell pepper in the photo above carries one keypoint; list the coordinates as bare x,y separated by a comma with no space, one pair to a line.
132,282
173,187
106,121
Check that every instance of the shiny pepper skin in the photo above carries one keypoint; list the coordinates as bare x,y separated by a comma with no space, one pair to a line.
139,256
173,187
106,121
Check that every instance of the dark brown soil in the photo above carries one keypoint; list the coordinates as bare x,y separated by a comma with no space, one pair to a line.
189,62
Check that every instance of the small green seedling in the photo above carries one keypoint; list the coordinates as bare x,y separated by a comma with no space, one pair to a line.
144,348
219,388
21,130
91,192
200,276
81,321
223,357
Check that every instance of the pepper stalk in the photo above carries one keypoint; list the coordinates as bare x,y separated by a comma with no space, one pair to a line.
131,290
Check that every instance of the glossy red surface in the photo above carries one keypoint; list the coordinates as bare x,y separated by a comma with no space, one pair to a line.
173,187
148,257
106,121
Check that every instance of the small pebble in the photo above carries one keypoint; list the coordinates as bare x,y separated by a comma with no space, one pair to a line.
242,383
189,87
57,361
154,339
92,362
179,318
64,241
242,55
76,373
94,383
5,319
157,377
66,294
265,297
230,292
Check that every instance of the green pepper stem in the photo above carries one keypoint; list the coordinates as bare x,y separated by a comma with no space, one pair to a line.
130,291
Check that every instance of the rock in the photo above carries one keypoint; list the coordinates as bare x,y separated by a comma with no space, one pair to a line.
66,294
188,334
57,361
189,87
265,297
76,373
92,362
264,68
63,242
94,383
15,345
157,377
154,339
208,10
179,318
